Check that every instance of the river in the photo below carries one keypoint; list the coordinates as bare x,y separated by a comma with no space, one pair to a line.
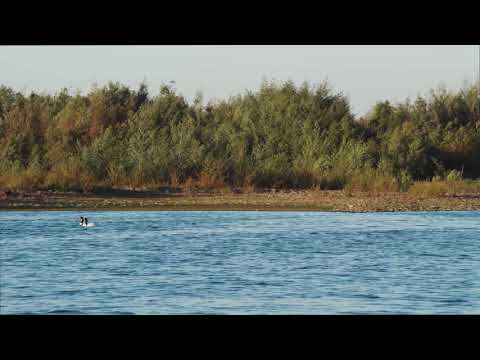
163,262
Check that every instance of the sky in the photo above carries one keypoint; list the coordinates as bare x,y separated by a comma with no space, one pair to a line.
364,73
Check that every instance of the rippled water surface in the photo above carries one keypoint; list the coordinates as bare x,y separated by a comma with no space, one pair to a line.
240,262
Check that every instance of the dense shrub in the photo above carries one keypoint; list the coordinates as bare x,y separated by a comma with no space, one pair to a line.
281,136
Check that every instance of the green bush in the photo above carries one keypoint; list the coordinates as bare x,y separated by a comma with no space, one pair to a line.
281,136
454,175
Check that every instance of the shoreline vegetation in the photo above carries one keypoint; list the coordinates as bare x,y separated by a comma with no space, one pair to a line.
239,200
282,147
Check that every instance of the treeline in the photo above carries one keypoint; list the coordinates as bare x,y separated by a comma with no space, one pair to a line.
281,136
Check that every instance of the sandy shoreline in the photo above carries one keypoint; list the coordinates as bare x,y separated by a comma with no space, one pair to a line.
311,200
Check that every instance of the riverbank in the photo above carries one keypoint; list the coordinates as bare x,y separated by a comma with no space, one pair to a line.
310,200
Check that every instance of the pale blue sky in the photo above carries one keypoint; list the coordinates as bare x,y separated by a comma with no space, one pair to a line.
365,74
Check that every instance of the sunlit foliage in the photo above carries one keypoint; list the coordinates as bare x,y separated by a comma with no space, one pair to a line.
281,136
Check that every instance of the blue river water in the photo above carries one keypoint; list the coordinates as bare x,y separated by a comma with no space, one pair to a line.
149,262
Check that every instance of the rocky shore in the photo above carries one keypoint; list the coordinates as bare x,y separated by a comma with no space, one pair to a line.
310,200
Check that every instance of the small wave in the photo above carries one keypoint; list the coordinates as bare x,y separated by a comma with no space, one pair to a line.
366,296
27,313
455,301
122,313
68,292
308,267
25,296
65,312
122,274
432,255
339,275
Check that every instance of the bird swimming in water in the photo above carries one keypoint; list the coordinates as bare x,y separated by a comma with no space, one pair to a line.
84,222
